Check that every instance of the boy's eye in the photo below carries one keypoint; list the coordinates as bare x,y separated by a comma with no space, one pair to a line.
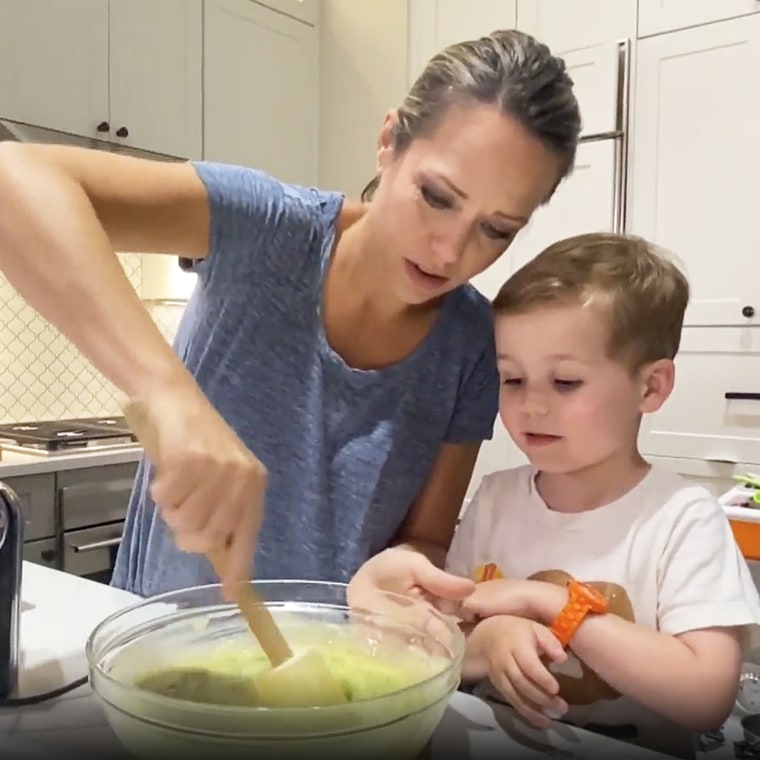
434,199
567,385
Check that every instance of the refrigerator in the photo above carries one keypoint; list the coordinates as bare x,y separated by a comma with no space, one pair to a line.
591,199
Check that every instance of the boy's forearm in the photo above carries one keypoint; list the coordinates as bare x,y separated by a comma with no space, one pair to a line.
474,664
650,667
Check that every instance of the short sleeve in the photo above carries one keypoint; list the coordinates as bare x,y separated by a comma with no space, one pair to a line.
256,222
703,579
478,400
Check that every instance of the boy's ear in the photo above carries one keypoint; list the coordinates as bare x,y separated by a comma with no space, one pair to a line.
657,379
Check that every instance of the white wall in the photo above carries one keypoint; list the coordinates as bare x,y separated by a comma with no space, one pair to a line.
362,73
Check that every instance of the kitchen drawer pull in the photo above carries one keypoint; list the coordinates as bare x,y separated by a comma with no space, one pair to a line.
738,396
91,547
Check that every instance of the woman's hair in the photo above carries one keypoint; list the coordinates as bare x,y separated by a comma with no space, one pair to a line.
508,69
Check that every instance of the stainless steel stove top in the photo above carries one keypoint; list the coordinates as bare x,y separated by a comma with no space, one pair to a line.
71,436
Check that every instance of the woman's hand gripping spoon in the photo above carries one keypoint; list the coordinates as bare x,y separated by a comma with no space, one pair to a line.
294,680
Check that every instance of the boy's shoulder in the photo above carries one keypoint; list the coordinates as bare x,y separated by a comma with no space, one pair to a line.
671,494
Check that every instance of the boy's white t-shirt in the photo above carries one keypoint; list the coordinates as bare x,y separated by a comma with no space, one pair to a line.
666,543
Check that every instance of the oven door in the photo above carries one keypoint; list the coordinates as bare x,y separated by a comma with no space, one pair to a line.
91,552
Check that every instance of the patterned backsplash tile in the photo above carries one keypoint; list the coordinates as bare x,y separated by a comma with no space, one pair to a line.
42,375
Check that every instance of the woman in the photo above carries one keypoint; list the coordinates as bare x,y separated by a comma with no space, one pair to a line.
334,374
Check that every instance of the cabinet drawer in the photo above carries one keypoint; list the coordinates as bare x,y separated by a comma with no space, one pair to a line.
94,495
41,553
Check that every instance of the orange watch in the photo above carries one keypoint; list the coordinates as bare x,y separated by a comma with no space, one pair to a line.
582,599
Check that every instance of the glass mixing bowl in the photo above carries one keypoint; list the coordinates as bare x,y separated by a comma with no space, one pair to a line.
404,634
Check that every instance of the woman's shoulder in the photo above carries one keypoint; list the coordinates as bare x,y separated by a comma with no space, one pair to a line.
249,193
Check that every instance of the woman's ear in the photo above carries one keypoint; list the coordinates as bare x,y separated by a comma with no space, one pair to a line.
657,380
385,140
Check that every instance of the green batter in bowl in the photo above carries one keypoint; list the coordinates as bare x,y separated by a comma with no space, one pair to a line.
176,674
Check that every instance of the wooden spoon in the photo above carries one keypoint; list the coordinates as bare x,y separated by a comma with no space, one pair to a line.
303,680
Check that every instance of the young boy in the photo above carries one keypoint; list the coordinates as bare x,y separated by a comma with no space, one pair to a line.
622,577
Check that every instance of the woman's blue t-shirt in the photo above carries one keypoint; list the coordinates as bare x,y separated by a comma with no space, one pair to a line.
347,450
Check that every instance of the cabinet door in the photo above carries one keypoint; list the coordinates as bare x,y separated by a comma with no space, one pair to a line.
434,24
658,16
566,25
703,419
695,159
37,496
260,90
303,10
156,75
596,74
54,63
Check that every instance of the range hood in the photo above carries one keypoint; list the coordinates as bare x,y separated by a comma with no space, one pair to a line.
30,133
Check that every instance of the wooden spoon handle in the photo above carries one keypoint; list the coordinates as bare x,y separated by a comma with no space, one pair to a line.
256,613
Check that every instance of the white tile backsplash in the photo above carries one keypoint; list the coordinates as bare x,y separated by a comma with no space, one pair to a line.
42,375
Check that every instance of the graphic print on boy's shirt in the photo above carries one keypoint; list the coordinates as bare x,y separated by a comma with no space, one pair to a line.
578,683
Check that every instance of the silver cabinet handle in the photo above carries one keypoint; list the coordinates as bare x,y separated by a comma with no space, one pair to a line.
105,544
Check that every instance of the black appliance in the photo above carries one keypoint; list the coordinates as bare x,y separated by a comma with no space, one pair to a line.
11,548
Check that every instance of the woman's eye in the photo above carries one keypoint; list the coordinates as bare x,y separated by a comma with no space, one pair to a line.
497,234
513,381
433,199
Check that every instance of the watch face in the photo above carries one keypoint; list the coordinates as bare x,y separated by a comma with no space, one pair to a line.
748,696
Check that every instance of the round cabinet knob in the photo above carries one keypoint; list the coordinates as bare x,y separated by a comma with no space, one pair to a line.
104,126
748,311
122,132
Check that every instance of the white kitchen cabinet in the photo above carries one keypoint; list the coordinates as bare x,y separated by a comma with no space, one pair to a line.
596,72
566,25
695,161
122,70
156,60
434,24
260,84
54,64
571,211
716,477
303,10
706,416
658,16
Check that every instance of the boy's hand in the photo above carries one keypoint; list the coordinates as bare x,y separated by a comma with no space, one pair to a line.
516,652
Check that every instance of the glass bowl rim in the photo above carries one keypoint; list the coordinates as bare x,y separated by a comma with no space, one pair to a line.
455,651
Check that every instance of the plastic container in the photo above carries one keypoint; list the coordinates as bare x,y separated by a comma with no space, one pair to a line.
744,520
158,631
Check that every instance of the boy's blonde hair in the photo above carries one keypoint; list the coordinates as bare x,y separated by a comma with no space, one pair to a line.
633,283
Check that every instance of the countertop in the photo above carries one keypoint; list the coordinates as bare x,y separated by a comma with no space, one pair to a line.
60,610
14,463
